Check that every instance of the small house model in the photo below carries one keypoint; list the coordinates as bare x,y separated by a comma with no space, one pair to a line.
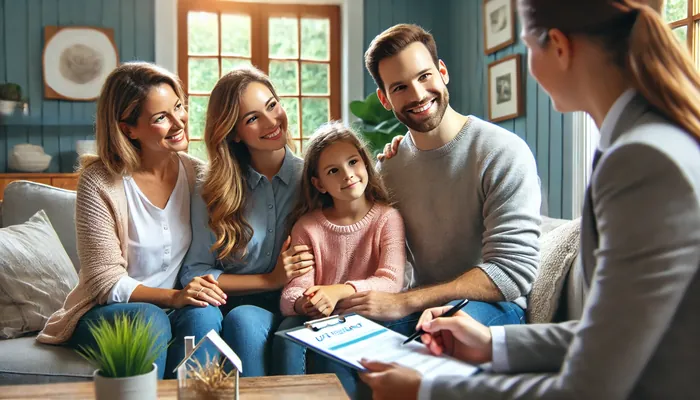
189,371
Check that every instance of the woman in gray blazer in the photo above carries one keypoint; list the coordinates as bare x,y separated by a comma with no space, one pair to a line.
637,338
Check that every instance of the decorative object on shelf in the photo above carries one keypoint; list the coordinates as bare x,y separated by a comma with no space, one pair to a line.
377,124
505,89
28,158
11,100
499,24
76,61
125,354
208,381
88,146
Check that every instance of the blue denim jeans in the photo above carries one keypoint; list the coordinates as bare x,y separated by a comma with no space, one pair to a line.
489,314
291,358
249,328
169,325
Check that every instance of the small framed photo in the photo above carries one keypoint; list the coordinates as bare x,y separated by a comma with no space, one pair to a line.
499,25
505,89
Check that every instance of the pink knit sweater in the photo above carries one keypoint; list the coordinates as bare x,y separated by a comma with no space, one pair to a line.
369,254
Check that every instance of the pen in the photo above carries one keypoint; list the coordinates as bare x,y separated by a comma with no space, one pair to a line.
452,311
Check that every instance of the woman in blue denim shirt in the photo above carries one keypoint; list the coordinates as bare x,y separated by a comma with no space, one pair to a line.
239,216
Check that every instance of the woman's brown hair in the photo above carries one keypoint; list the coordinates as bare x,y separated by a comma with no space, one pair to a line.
638,40
121,101
310,198
225,187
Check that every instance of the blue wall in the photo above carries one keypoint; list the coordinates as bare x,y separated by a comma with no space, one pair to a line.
458,30
55,124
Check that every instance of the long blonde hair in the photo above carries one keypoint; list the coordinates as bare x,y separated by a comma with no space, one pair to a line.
121,100
225,188
310,198
638,40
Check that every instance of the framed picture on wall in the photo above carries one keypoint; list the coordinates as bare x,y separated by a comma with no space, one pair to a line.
505,89
499,24
76,61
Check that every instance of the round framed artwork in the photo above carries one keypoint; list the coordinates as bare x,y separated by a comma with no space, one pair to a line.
76,61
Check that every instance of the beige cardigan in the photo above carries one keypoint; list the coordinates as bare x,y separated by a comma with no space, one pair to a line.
101,220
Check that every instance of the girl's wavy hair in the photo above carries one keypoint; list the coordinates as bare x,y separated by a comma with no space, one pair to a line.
121,100
310,198
225,187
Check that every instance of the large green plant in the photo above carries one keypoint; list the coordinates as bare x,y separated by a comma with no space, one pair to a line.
125,347
377,124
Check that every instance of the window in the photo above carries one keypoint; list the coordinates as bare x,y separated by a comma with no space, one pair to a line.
684,18
297,46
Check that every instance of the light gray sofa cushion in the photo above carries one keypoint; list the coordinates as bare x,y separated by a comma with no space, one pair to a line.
36,275
573,294
22,199
25,361
558,251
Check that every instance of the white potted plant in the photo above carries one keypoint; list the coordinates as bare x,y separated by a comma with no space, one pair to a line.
11,99
125,358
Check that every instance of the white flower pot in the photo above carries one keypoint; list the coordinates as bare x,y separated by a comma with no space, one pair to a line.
7,107
140,387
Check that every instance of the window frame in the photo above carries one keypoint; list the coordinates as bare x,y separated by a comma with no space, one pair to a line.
692,17
259,14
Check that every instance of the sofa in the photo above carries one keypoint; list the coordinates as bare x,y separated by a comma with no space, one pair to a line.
25,361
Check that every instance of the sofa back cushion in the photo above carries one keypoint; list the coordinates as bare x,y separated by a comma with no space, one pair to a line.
36,275
559,252
22,199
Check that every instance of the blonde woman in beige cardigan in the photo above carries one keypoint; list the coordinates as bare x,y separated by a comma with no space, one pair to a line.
133,218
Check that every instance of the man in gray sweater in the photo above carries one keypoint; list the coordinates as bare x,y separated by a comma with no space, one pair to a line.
467,189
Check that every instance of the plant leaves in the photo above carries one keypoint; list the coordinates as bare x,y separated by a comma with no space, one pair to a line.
125,346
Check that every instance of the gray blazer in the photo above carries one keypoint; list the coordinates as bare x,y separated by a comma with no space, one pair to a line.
640,247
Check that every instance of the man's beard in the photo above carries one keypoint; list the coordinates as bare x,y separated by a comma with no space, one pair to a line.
432,122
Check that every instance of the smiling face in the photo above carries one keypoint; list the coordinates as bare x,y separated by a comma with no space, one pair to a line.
262,124
160,127
342,172
415,88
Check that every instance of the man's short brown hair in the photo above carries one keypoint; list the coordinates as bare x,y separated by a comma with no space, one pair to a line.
391,42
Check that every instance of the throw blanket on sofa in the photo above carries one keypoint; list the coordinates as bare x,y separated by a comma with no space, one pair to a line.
559,248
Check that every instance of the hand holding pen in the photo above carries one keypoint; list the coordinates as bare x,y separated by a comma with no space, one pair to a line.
459,336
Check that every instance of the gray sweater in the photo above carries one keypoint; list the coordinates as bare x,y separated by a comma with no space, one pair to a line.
473,202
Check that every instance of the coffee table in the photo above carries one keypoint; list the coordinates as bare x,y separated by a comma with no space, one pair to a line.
318,386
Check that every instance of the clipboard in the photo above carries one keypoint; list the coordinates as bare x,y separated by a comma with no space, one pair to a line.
317,325
348,338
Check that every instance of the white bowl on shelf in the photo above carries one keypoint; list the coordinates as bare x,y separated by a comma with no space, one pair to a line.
29,158
88,146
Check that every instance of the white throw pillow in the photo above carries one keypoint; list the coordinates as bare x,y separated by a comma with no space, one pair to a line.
36,275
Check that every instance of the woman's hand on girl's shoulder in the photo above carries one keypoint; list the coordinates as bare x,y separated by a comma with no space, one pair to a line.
200,292
390,149
292,262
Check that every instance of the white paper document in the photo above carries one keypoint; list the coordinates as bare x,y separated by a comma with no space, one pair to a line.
359,338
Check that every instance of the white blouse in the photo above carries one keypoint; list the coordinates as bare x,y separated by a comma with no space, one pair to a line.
158,239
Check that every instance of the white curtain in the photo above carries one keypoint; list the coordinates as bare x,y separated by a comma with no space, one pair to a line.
585,141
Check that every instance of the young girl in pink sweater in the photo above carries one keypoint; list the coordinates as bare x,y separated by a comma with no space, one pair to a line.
344,215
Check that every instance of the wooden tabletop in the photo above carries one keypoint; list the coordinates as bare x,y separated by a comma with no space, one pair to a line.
319,386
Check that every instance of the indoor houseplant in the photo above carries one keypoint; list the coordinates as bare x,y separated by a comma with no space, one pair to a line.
10,98
124,355
377,124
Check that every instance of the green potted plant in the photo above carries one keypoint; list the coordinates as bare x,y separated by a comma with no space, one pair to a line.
377,124
10,98
125,354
